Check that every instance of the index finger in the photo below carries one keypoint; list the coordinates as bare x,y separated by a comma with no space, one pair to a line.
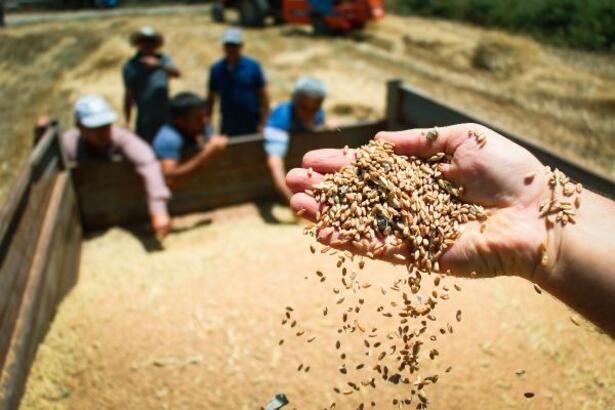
328,160
425,142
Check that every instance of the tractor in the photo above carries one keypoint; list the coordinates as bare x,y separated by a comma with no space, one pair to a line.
325,16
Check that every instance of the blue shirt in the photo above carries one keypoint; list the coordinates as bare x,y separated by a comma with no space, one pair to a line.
281,124
239,89
150,86
170,143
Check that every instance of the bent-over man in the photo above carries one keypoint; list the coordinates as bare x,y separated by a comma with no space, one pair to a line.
95,138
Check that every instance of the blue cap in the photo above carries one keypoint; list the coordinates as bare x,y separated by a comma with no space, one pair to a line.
232,36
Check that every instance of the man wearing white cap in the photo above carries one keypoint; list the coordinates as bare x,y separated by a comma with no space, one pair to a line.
96,138
302,113
146,82
238,81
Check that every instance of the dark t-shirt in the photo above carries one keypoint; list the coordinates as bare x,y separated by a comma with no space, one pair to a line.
151,88
239,87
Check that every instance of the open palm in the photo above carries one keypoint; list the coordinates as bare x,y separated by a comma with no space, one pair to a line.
500,175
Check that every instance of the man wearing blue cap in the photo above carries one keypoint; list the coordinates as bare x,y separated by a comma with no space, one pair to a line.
146,82
302,113
238,81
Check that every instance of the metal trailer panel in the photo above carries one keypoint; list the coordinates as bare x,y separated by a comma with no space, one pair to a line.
409,107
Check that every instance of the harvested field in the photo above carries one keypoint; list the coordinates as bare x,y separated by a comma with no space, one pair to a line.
197,327
565,100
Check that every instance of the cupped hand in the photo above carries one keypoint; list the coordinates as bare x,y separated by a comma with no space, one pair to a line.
495,172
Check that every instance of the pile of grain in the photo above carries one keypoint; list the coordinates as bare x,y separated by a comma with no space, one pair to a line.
386,201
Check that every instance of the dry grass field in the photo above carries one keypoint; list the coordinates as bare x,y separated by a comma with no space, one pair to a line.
197,327
563,99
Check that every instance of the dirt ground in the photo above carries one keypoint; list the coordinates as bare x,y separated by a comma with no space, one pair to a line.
197,326
562,99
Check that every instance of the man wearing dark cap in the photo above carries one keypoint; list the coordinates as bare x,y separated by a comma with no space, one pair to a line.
146,81
240,84
185,144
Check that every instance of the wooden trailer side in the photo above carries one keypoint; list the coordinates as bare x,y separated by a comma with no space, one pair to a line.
40,242
112,193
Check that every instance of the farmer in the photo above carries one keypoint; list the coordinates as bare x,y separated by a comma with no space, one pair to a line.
146,82
580,262
302,113
238,81
95,138
187,132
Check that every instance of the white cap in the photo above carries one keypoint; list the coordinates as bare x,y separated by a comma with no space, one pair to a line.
92,111
232,36
310,86
146,32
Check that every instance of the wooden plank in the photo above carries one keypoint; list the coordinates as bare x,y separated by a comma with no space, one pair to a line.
420,110
53,269
10,211
112,193
19,242
22,219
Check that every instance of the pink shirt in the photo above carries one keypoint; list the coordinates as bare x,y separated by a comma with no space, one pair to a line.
133,149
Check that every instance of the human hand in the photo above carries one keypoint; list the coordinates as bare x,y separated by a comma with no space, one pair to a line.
217,143
494,174
151,61
332,123
161,224
42,121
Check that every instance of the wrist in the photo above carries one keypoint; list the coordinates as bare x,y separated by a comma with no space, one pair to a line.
566,244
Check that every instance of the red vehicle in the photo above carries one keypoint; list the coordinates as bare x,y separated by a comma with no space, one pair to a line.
331,16
325,16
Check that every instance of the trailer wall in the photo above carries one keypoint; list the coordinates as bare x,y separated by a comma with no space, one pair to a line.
40,242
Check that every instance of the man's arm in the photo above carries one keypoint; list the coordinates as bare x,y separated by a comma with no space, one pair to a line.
212,91
175,172
210,101
168,65
172,71
164,63
264,108
276,146
276,167
129,99
582,274
141,155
